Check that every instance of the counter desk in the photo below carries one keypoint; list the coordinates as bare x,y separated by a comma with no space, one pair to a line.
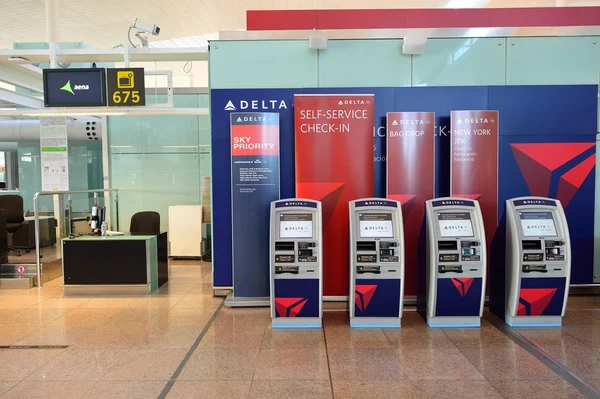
126,264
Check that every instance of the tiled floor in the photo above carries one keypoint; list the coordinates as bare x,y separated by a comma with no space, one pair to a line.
134,347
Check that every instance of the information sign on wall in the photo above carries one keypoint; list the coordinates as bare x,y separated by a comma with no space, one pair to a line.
75,87
254,185
334,164
474,162
126,87
54,153
410,177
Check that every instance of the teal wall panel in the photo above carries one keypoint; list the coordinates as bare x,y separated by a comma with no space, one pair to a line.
461,62
266,64
556,60
366,63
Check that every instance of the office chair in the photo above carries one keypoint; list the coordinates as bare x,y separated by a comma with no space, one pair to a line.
11,206
145,223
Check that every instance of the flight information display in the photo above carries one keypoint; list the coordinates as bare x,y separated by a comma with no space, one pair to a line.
455,224
295,225
375,225
537,224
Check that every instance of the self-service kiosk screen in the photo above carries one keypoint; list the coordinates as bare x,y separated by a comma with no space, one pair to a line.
295,225
375,225
455,224
537,224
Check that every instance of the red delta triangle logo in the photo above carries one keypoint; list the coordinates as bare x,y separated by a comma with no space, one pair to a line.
289,307
537,162
363,294
462,285
534,301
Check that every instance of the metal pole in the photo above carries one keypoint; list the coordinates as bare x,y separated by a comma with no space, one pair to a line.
52,30
38,263
117,209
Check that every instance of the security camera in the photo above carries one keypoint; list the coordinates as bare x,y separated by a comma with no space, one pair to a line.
147,27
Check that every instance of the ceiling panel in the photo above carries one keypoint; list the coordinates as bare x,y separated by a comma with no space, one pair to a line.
104,23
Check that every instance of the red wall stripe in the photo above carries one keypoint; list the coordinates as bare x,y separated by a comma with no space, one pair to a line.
421,18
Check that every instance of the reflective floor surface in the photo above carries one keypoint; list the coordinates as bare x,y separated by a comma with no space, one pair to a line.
181,343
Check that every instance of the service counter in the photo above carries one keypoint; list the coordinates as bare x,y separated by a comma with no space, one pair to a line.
120,264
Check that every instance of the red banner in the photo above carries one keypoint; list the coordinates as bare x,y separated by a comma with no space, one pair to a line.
474,162
410,178
334,164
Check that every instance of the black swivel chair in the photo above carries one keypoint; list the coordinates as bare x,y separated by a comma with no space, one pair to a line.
11,206
145,223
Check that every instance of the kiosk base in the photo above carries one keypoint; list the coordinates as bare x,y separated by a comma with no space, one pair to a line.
534,321
375,322
300,322
454,321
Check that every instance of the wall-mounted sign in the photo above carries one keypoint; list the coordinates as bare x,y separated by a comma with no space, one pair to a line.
75,87
126,87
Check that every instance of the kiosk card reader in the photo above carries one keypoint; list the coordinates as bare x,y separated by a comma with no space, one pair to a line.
456,263
376,263
296,268
538,265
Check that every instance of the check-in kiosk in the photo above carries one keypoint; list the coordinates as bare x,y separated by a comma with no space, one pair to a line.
376,263
538,265
456,263
296,264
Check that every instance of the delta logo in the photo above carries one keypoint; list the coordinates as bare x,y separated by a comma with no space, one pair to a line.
375,203
396,122
295,228
354,102
475,120
533,202
452,227
540,163
72,89
453,203
256,105
296,204
375,228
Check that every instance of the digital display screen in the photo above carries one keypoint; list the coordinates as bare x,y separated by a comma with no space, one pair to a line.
295,225
455,224
375,225
537,224
74,87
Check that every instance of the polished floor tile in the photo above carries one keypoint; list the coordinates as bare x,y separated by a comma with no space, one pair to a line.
117,302
293,339
408,339
11,334
224,337
210,390
221,365
78,365
536,389
49,389
374,389
146,365
455,389
365,364
344,337
169,337
18,364
6,386
84,318
125,390
438,364
290,390
292,364
508,364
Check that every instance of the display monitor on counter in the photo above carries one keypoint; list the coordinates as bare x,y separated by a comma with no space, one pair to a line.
376,225
537,224
455,224
295,225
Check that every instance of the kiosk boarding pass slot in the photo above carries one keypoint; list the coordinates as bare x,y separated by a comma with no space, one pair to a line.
296,264
377,263
456,263
538,262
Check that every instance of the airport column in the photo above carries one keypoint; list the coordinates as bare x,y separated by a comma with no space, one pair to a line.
456,263
296,264
376,263
538,262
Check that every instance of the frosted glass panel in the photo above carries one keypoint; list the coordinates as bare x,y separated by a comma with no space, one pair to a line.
125,134
170,179
460,62
171,133
127,174
364,63
262,64
556,60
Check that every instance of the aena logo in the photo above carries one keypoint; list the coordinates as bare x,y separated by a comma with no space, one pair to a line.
70,89
256,105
